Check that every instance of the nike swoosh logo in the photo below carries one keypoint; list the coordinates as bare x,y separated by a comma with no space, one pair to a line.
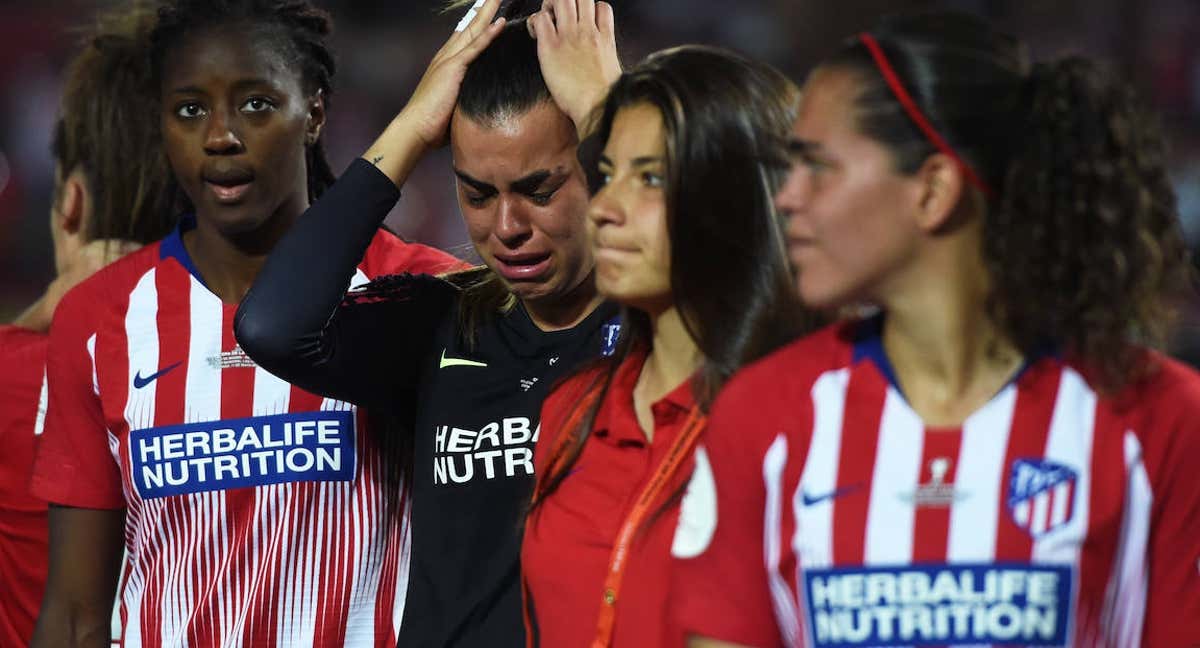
458,362
139,382
810,500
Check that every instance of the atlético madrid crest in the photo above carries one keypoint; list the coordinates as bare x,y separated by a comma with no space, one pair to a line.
1041,495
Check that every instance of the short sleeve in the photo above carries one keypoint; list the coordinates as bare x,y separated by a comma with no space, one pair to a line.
1171,449
74,465
722,591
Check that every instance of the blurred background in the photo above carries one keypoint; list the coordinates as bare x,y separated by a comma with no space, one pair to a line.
383,47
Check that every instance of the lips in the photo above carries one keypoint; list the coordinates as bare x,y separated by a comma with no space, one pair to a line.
526,266
228,184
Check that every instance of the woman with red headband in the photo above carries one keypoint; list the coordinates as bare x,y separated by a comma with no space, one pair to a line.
994,456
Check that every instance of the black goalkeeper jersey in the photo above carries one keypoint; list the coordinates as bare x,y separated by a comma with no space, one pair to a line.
473,408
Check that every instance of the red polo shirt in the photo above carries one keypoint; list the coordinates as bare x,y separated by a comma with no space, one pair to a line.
569,538
23,532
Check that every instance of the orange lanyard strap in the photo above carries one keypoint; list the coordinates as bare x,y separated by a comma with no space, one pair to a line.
678,453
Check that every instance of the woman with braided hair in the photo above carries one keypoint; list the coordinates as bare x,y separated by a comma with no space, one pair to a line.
996,456
253,512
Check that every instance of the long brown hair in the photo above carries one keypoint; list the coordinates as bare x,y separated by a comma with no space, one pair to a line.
1081,238
725,119
108,129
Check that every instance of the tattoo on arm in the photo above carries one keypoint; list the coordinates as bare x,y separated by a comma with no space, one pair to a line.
375,160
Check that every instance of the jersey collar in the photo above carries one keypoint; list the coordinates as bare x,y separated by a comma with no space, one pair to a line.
172,246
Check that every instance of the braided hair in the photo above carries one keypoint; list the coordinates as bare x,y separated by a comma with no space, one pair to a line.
301,31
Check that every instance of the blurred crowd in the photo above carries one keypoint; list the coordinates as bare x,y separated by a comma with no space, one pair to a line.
384,47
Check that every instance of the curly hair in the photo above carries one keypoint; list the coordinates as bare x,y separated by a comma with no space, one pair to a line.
107,129
1080,238
301,31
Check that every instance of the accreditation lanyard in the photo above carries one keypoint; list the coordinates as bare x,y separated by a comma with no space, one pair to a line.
678,453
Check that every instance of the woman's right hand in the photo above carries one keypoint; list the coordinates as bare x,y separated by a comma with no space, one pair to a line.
424,122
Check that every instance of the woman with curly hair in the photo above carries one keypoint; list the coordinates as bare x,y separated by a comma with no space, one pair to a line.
995,456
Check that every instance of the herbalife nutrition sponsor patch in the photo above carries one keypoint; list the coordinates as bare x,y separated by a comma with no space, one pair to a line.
239,453
999,604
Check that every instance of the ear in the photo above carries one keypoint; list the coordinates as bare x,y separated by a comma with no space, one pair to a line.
73,205
941,189
316,118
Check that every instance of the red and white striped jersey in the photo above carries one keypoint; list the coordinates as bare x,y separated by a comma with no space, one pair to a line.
1053,516
255,510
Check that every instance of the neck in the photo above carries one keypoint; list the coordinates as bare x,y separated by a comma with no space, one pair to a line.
948,355
673,358
230,263
567,311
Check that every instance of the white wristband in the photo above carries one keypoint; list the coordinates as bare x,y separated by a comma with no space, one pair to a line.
466,20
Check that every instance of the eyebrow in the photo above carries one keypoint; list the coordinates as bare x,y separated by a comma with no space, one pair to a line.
237,85
797,146
641,161
526,184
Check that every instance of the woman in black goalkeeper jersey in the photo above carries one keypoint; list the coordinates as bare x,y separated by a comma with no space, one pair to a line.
458,367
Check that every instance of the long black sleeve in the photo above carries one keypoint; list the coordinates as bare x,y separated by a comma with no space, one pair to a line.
297,323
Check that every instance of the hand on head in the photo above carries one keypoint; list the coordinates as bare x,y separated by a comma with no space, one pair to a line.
577,49
432,104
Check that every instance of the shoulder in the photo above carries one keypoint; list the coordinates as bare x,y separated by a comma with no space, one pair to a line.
107,291
23,354
389,254
791,370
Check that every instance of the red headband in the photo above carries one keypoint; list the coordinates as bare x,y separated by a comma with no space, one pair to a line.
914,113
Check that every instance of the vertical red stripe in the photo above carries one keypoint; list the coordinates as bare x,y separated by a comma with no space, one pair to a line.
865,396
931,521
1037,391
174,331
1106,509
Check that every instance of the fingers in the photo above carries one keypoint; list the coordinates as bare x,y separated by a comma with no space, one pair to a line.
604,19
586,11
541,27
565,13
481,42
482,20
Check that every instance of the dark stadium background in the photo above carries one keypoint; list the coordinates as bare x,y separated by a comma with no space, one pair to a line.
383,46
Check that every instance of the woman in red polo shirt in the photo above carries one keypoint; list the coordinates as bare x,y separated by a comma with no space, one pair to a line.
686,240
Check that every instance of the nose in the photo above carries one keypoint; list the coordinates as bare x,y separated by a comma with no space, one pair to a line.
605,208
220,137
793,196
512,225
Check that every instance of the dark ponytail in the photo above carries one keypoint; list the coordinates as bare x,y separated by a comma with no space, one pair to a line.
1081,239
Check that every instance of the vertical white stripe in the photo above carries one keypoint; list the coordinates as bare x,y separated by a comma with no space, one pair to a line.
39,423
1126,600
897,471
1069,443
405,566
813,539
91,348
978,477
271,394
202,399
1021,513
141,337
786,612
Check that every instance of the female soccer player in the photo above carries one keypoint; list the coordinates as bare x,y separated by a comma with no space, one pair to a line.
994,458
686,239
459,368
110,196
254,513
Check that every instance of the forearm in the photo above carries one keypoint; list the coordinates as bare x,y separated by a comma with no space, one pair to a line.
398,150
281,320
63,625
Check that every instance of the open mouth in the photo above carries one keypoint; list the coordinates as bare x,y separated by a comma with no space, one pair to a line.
522,267
229,186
